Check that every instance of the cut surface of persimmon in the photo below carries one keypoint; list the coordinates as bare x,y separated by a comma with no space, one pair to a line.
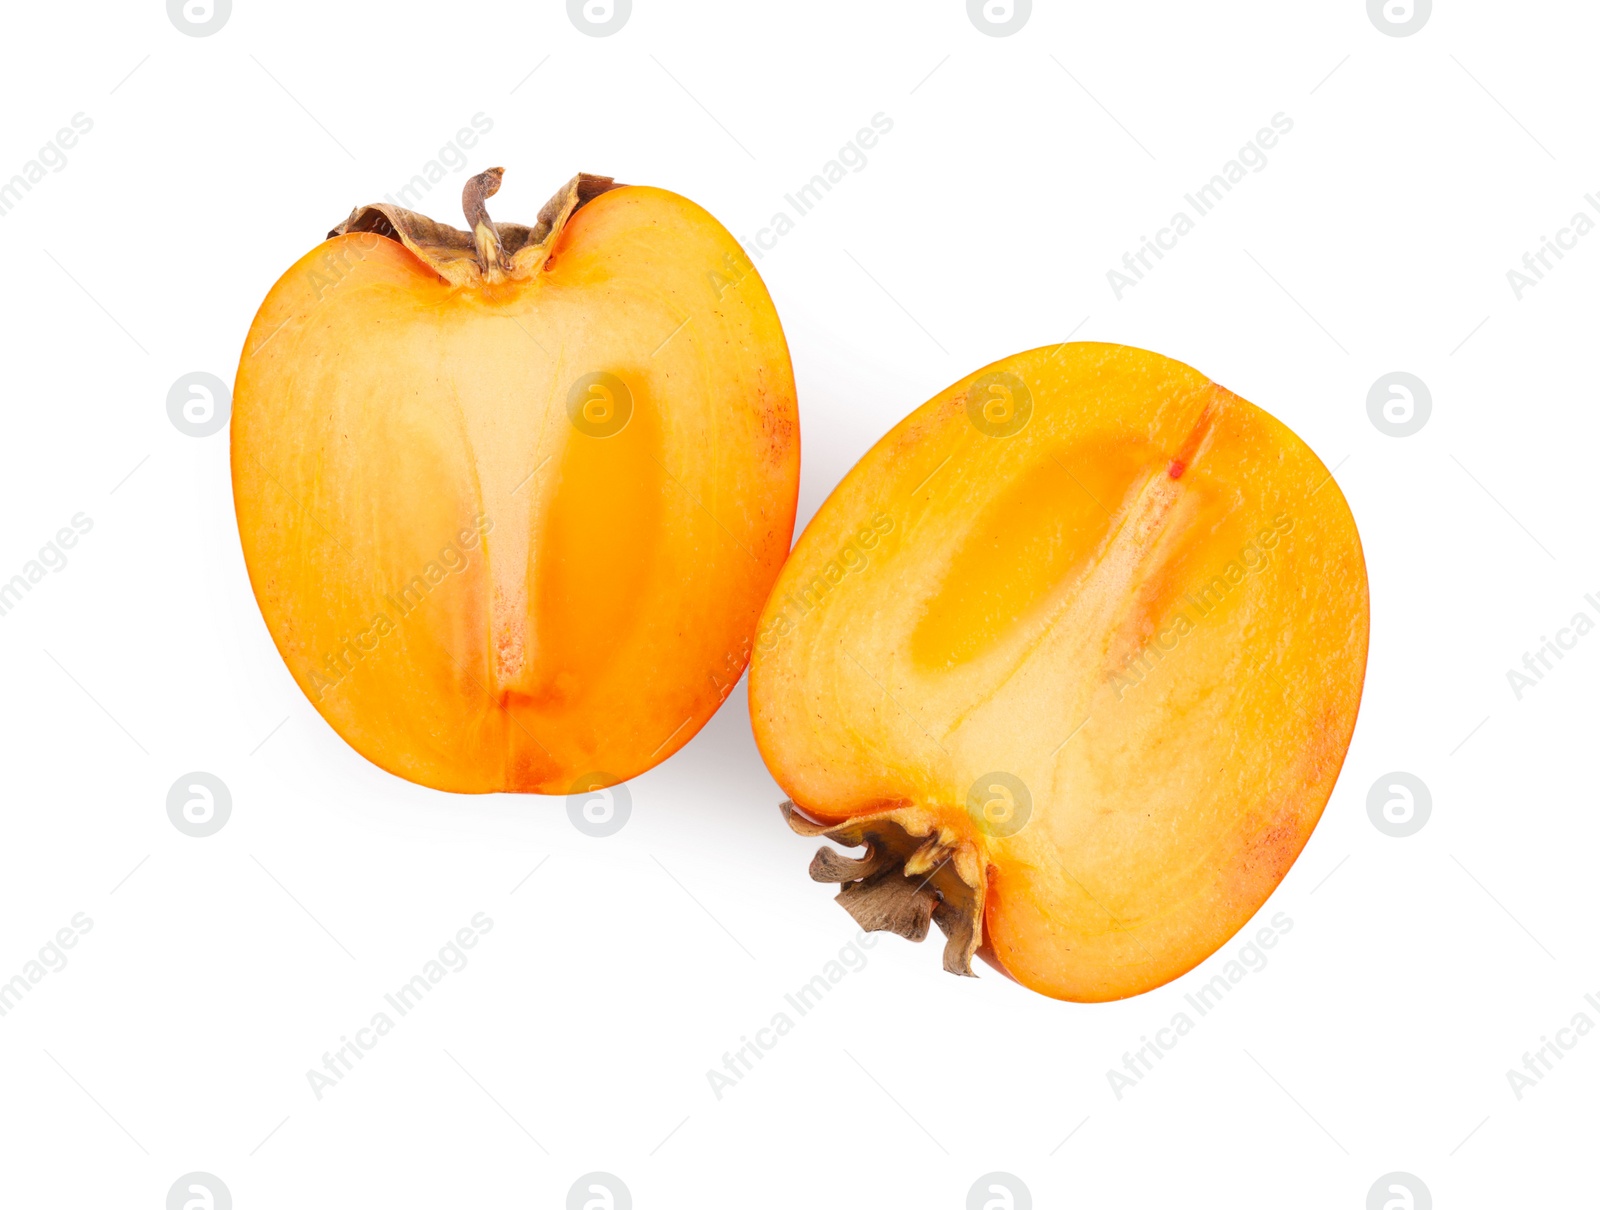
1075,651
511,499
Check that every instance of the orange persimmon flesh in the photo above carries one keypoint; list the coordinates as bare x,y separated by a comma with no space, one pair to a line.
1076,652
476,577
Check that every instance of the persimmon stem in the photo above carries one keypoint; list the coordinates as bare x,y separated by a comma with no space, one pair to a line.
485,238
914,872
489,252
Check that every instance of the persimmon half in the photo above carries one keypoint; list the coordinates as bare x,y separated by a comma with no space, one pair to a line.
511,499
1075,651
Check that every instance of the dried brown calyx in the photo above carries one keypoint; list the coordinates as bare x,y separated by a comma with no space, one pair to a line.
488,251
914,870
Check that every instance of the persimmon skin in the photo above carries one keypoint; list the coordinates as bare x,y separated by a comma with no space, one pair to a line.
1147,604
477,593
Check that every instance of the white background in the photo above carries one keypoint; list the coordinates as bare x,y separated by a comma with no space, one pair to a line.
1018,171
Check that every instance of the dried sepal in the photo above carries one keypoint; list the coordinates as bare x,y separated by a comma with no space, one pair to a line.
457,256
913,872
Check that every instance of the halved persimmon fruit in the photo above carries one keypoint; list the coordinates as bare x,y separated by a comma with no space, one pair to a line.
1075,651
511,499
